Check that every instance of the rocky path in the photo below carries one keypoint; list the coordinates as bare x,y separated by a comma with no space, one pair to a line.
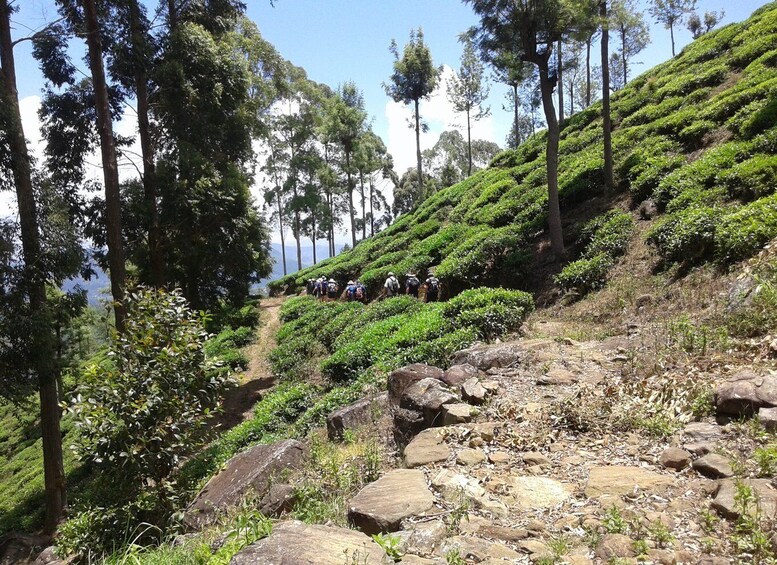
519,454
258,377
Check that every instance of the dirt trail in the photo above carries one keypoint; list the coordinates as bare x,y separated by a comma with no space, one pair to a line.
240,401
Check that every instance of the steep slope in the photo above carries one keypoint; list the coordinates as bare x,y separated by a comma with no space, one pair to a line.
696,135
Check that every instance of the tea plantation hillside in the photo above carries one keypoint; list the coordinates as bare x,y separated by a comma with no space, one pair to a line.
697,135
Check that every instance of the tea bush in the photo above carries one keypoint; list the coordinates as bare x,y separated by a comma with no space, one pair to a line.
752,179
606,238
687,235
745,231
585,275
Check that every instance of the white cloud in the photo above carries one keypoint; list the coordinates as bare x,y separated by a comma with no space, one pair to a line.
439,114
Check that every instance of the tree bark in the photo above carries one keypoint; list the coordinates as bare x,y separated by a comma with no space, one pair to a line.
560,82
623,56
364,205
421,194
172,15
280,227
516,141
297,231
469,146
588,71
313,237
606,117
147,150
53,468
110,166
372,212
351,211
671,34
551,161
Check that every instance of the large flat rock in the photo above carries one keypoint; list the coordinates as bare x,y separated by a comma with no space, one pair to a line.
381,506
619,480
484,357
247,472
725,503
295,543
530,492
403,377
361,413
427,447
745,393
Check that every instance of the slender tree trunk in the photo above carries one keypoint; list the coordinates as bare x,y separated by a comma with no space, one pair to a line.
147,151
623,56
110,166
172,14
560,83
606,117
516,141
421,194
372,212
551,161
53,469
297,232
671,34
588,71
571,98
351,211
313,236
364,205
331,228
280,227
469,146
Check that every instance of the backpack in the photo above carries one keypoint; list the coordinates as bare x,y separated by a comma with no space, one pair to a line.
394,284
433,285
413,283
332,288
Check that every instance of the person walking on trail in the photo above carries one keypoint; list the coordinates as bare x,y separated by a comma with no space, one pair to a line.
360,294
432,286
412,284
331,289
391,285
350,291
319,288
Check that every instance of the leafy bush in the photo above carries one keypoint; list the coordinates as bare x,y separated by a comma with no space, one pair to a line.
760,120
608,233
687,235
752,179
490,312
606,238
227,315
744,232
644,170
585,275
141,415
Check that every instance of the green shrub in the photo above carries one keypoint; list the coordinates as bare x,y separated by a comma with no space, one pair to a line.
230,315
700,174
153,407
752,179
760,120
491,312
745,231
608,233
585,275
648,163
295,307
687,235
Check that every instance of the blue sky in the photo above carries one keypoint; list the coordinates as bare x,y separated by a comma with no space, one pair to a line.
340,40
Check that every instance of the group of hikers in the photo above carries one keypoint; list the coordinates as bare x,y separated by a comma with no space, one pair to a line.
355,291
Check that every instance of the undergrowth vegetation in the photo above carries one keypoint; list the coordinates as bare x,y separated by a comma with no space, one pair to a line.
102,514
696,134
